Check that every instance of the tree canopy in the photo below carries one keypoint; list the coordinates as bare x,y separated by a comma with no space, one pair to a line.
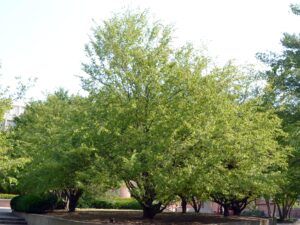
60,155
168,120
164,120
283,94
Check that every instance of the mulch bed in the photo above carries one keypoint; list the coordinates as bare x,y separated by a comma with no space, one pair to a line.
135,218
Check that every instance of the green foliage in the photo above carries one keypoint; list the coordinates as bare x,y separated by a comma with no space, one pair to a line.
110,203
168,122
256,213
34,203
60,144
283,94
7,164
7,196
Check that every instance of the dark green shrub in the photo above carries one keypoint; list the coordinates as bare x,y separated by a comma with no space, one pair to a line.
112,203
60,204
256,213
14,203
86,201
127,203
34,203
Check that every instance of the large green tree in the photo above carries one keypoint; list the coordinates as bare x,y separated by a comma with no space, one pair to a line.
51,135
168,122
283,94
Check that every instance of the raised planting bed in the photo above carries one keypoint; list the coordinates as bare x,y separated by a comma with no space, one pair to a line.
134,218
4,203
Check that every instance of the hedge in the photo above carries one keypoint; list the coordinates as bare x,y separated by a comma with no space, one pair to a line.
33,203
112,203
7,196
256,213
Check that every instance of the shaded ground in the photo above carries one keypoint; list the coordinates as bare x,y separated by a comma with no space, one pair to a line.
135,217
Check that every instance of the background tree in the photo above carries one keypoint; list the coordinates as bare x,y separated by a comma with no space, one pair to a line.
5,163
283,94
251,158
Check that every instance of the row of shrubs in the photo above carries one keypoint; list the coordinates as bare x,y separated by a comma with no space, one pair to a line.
255,212
110,203
7,196
41,204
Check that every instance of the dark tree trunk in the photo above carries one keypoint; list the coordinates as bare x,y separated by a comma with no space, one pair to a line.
73,197
222,201
196,204
226,210
146,198
267,200
183,203
238,205
150,212
284,208
279,212
274,210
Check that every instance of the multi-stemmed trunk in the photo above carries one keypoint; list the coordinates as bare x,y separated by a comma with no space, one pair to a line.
150,210
147,198
238,205
73,195
284,208
196,204
234,204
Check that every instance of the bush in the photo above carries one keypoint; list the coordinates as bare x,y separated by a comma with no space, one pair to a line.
256,213
7,196
113,203
33,203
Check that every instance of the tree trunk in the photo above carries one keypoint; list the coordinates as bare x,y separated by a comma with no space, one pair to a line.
149,212
274,210
267,200
183,203
226,210
73,197
196,204
238,205
145,193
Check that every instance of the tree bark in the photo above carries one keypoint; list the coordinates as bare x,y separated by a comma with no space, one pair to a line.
73,196
281,217
150,212
196,204
226,210
183,203
274,210
146,199
267,200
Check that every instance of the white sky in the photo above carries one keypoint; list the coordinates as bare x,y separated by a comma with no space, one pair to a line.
45,38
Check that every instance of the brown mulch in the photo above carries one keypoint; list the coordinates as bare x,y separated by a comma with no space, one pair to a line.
135,218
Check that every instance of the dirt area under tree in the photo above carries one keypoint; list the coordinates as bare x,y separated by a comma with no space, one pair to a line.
135,217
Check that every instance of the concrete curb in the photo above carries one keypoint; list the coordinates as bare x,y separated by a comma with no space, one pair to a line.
39,219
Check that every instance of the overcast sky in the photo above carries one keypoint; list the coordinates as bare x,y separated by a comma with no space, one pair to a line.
45,38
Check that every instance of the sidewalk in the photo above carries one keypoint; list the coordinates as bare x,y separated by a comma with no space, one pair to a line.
5,210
